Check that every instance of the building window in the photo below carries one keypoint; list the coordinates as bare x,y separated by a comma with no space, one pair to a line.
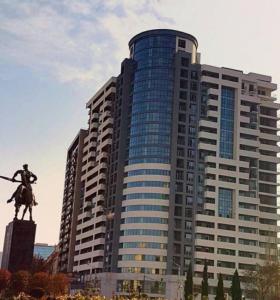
225,203
190,177
248,242
183,95
247,254
146,184
226,251
151,245
226,239
190,165
189,188
138,196
225,264
183,84
189,200
247,267
191,153
227,123
184,73
182,43
193,86
185,61
152,232
179,175
194,75
154,220
248,218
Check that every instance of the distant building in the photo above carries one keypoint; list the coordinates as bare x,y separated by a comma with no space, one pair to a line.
52,261
43,250
72,197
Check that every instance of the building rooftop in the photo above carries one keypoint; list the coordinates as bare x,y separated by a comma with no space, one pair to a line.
164,32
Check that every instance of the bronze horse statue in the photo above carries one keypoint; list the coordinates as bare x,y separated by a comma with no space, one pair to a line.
23,194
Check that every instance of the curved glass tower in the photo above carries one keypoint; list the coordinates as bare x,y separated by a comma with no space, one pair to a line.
148,201
152,99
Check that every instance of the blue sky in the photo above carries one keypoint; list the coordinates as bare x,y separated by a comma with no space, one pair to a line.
55,54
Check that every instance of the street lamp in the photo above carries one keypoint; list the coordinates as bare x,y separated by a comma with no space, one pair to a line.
180,285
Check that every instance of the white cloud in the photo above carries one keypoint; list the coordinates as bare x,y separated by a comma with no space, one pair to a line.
85,41
80,41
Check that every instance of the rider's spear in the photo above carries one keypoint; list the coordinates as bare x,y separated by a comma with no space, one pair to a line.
9,179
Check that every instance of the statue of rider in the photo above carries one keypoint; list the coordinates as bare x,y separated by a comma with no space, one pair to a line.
27,178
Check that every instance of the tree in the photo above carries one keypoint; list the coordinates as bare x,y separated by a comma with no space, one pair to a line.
220,294
189,284
19,282
38,265
58,284
40,280
204,284
5,276
263,282
235,290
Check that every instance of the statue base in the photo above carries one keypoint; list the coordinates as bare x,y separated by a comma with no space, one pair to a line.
18,245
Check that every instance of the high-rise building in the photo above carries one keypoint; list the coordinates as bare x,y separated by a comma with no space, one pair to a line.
179,166
72,201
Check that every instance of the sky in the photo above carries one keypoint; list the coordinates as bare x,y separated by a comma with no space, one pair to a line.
54,55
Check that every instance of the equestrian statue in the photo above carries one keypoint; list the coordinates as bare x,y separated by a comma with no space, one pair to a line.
23,194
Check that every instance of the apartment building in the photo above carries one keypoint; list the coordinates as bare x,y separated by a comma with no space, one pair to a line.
91,221
72,198
238,142
179,166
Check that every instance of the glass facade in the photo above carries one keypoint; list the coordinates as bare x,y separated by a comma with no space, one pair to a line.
147,184
146,196
143,257
150,130
144,220
151,245
227,122
145,207
225,203
142,270
152,100
43,251
153,232
148,172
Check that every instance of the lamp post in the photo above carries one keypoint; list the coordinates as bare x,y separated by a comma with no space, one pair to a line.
179,290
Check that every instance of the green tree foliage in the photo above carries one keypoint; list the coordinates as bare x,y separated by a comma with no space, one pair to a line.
204,285
19,282
5,276
189,284
235,290
220,294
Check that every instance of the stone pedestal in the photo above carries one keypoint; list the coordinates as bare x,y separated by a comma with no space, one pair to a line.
18,245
